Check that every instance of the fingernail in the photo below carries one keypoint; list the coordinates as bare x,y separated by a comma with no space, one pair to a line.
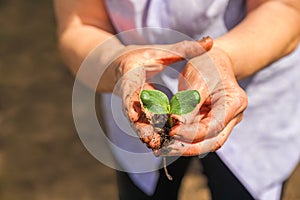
202,155
177,137
157,153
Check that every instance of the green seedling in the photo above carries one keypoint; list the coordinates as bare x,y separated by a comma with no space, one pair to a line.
181,103
158,103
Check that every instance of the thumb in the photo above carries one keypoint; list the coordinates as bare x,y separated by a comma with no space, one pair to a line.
186,50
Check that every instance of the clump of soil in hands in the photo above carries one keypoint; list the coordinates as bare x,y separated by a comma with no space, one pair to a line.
162,126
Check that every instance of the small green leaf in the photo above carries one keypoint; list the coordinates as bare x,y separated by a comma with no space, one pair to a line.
155,101
184,102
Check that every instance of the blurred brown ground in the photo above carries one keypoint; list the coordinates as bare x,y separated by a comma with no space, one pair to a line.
41,156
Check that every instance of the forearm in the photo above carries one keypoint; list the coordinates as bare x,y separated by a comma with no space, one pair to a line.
82,26
268,33
75,47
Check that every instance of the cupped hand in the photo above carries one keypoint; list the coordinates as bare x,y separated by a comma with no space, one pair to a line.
220,109
139,63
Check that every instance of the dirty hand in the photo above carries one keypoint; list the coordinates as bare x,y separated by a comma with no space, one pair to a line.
139,63
220,109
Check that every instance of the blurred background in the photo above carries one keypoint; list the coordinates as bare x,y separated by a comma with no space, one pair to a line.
41,156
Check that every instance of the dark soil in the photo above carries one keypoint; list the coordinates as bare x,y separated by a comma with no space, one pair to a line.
162,126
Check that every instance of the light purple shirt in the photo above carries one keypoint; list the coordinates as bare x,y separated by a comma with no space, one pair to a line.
264,148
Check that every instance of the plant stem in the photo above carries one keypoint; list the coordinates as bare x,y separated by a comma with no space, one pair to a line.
170,120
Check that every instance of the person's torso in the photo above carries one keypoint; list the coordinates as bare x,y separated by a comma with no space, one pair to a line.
270,126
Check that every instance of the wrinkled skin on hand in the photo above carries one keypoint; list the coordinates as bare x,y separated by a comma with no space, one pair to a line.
221,107
139,63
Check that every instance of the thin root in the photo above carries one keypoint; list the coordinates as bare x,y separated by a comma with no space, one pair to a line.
166,170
